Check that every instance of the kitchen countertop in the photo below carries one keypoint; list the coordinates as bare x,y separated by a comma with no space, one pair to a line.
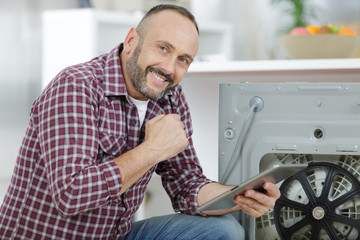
276,65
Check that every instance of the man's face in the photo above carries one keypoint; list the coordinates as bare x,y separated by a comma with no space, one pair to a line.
138,77
162,56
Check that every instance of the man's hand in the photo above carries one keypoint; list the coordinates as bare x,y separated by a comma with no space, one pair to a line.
256,203
253,203
165,136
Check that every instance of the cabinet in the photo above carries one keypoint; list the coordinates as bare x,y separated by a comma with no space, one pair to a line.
77,35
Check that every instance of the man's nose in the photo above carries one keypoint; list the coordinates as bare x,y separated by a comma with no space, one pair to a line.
169,67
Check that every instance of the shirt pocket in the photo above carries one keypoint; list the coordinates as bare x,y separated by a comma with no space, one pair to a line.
111,145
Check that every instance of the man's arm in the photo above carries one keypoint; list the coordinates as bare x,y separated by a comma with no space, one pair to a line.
252,202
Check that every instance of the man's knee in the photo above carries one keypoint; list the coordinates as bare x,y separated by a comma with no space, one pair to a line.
227,227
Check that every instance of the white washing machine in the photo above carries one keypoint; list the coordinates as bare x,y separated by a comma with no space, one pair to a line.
262,124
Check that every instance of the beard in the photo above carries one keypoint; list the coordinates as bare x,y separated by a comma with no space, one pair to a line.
138,77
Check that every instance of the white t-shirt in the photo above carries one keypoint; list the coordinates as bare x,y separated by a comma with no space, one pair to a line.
141,107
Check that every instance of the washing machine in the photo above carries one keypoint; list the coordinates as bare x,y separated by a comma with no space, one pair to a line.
263,124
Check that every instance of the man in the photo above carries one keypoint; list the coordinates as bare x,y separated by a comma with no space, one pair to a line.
99,131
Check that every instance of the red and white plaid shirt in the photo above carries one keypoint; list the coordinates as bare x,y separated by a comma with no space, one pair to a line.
65,184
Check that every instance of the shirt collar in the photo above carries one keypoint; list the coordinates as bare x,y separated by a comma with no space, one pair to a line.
114,83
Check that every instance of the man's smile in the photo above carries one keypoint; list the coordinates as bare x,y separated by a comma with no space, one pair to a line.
158,77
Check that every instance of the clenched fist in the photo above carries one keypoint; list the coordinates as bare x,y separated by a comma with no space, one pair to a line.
165,136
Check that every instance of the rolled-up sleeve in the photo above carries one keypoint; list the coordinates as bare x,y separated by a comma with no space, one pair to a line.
182,179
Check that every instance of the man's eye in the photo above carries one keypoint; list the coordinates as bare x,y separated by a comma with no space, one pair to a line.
183,61
163,49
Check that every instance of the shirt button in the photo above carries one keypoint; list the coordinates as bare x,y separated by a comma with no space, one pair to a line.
133,122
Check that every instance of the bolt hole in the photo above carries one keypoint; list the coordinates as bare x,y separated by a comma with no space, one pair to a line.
229,133
318,133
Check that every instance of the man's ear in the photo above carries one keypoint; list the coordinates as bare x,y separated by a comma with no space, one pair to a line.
131,41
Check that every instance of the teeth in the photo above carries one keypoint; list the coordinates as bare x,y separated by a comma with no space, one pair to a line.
158,77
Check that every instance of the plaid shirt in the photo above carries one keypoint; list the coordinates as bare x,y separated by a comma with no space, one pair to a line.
65,184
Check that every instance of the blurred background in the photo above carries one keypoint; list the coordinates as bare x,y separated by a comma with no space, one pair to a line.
239,30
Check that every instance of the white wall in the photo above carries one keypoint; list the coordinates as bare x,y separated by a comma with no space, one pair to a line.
257,23
20,78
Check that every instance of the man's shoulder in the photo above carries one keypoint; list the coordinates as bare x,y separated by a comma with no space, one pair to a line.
95,68
84,77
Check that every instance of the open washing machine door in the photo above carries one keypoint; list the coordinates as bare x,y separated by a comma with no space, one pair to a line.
262,124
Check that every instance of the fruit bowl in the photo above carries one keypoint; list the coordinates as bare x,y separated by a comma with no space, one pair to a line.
319,46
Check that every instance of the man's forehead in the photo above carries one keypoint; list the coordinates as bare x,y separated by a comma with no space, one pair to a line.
174,28
168,16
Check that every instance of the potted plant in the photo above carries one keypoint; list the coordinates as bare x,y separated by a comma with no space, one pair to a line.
301,12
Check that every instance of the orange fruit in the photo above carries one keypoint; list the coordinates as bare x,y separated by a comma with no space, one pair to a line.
347,31
313,29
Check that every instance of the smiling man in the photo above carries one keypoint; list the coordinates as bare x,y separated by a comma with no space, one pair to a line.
100,130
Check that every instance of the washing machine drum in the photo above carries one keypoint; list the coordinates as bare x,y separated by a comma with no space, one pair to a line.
321,202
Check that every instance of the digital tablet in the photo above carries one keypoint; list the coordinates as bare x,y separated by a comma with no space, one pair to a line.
274,174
